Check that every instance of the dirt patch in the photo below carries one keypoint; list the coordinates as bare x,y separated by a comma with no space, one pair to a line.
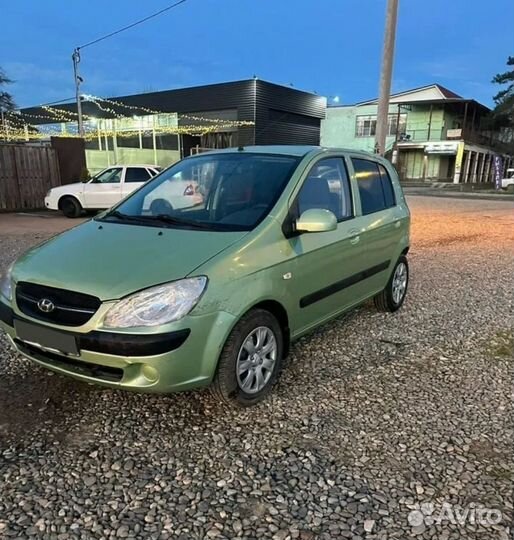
502,345
42,398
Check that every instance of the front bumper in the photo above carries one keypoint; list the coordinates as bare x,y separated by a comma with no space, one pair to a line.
50,203
180,359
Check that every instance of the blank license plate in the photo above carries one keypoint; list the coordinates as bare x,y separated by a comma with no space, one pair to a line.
46,338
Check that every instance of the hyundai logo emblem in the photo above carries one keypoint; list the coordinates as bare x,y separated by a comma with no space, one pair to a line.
45,305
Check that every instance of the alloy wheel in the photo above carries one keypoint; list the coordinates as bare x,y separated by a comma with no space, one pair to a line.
399,282
256,360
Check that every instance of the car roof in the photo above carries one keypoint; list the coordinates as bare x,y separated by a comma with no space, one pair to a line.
287,149
132,165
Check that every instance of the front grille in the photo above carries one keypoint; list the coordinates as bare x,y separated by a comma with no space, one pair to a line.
80,367
69,308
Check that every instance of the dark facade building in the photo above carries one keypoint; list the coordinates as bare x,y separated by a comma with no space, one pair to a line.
280,114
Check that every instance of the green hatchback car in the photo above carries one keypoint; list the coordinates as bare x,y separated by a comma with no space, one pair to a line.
207,273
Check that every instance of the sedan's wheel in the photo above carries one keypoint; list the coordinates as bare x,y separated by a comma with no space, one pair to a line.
393,296
70,207
251,359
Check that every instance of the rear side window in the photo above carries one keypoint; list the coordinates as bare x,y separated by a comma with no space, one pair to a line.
375,188
136,174
388,186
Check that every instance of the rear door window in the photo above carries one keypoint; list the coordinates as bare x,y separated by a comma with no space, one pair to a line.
375,187
387,185
136,174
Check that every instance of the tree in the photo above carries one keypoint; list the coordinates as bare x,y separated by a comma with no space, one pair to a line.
504,99
6,100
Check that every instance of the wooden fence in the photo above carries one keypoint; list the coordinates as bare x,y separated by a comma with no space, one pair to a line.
26,174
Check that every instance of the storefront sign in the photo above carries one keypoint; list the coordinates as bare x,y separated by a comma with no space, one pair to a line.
441,148
458,159
498,171
454,133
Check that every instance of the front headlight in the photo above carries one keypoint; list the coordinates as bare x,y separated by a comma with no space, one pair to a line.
6,283
158,305
48,193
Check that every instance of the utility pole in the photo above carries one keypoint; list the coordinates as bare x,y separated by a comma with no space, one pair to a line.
385,76
4,130
78,81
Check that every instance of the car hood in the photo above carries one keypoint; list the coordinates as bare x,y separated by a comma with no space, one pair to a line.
75,187
112,260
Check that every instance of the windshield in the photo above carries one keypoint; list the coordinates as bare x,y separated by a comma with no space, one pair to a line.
224,191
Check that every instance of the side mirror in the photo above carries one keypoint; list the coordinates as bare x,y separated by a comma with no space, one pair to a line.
316,220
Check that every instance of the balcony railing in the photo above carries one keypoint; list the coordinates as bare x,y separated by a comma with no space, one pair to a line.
483,138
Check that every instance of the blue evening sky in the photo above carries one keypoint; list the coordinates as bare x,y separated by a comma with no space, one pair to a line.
332,47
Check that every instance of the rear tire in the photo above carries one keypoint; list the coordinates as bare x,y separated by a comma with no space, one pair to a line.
251,360
392,297
70,207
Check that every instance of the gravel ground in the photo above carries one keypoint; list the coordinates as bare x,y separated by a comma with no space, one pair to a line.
375,418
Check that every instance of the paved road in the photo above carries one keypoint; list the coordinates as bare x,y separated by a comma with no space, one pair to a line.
376,418
36,223
449,194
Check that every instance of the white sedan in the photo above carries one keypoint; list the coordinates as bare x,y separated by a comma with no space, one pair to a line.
508,181
104,190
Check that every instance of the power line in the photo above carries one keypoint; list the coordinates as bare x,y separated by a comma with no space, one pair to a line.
156,14
56,102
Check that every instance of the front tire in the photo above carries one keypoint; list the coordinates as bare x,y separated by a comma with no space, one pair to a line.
392,297
250,361
70,207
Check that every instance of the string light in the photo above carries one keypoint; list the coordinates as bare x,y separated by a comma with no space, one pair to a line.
17,127
62,114
96,99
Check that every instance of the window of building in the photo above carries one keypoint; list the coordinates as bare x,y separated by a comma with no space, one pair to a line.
136,174
328,187
366,126
375,188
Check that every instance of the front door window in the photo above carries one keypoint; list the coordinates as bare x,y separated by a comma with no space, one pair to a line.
109,176
327,187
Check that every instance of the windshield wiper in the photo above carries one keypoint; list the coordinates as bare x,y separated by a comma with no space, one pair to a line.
166,218
123,217
160,218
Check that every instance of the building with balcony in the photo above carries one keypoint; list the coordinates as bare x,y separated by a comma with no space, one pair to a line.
433,135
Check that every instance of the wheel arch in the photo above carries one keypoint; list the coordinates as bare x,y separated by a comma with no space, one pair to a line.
280,313
68,196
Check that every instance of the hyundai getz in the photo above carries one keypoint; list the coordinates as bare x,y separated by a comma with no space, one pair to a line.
156,296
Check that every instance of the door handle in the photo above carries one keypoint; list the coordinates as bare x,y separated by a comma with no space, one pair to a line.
354,236
397,223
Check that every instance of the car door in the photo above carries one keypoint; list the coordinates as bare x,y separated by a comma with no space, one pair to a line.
326,264
135,177
380,223
105,189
